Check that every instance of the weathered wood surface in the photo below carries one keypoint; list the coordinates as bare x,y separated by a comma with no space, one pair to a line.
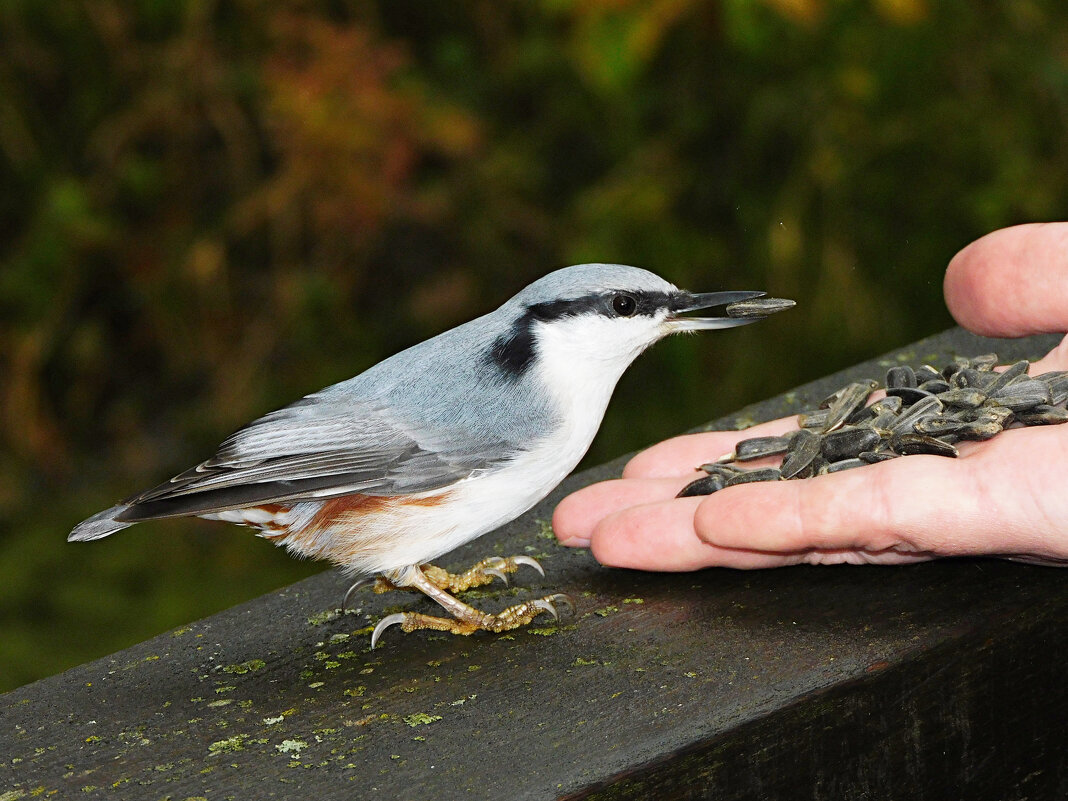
941,680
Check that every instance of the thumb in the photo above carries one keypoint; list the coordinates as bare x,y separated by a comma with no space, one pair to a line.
1012,282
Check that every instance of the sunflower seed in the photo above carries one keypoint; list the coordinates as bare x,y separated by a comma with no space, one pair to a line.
1004,378
845,464
999,414
909,444
884,422
970,377
817,418
705,485
963,396
909,395
890,404
861,417
1043,415
758,447
871,457
758,307
938,426
980,429
723,470
851,398
1022,394
951,370
1057,381
935,386
804,448
749,476
923,408
846,443
903,376
927,373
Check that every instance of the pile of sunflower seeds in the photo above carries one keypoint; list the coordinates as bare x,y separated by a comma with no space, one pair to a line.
925,411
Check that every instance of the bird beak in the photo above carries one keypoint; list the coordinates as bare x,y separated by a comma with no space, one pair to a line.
689,301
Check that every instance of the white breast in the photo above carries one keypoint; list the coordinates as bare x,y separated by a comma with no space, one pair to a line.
486,501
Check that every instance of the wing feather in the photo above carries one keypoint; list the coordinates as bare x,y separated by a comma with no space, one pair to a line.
316,448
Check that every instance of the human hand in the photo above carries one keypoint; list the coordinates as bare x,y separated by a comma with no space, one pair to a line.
1001,497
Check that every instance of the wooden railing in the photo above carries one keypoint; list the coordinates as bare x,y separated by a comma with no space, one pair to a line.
942,680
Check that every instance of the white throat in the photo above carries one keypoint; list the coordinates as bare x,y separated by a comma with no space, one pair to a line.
579,362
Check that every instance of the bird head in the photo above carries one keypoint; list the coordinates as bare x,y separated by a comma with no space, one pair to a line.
597,318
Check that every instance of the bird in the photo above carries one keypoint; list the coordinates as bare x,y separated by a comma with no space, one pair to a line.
438,444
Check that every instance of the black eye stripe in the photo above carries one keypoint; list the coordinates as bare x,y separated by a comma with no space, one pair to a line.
648,303
514,352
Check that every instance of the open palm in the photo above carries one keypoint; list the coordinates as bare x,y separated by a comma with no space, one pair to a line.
1002,497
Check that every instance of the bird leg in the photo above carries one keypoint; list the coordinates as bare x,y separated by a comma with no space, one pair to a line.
466,619
477,576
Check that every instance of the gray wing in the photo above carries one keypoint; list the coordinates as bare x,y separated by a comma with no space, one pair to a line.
317,448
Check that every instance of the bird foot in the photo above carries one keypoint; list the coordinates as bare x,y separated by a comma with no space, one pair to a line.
480,574
469,620
477,576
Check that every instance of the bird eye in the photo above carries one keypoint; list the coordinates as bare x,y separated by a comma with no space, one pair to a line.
624,305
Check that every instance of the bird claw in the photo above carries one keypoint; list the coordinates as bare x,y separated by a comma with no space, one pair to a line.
562,598
348,595
526,560
385,623
500,567
549,604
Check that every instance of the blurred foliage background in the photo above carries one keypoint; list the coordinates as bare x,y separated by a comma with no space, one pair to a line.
212,207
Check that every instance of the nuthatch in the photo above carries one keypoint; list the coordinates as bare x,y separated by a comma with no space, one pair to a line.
439,444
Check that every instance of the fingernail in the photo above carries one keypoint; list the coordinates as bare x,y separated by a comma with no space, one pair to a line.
574,542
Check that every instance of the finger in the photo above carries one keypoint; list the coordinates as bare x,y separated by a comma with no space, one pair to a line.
1012,282
1056,359
1002,497
576,515
680,456
661,536
913,505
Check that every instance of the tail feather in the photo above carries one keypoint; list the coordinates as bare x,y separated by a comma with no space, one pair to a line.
99,525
